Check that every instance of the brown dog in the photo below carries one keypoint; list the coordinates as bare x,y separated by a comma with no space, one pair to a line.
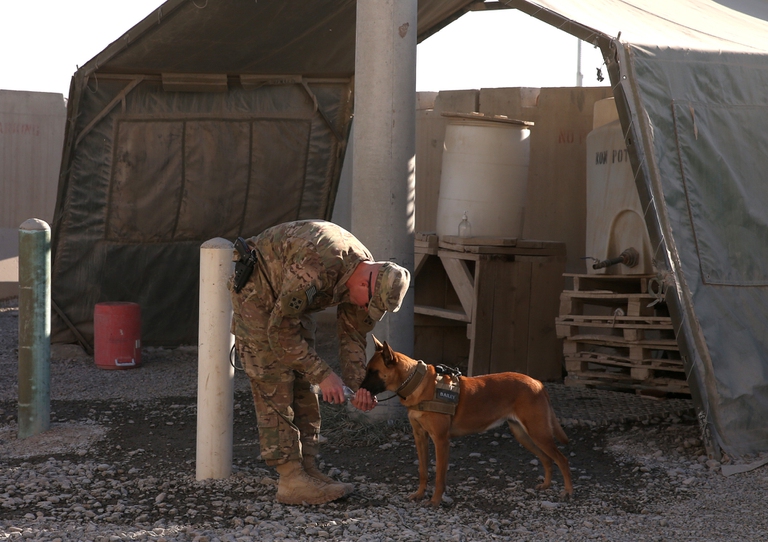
484,402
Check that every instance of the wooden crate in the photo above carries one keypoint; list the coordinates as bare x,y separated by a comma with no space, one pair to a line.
616,333
490,303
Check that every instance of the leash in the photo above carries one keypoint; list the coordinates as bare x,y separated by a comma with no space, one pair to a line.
234,359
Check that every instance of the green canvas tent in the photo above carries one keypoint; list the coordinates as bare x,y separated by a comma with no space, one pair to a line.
207,119
220,118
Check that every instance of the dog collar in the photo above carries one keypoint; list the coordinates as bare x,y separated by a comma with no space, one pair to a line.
413,381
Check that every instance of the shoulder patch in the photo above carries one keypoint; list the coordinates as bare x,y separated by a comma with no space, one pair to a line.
295,303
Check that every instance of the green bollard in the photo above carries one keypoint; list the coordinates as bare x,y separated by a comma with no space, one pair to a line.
34,327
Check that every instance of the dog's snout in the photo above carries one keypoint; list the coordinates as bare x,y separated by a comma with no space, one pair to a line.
373,382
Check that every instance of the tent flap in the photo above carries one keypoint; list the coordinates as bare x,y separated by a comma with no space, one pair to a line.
706,115
162,172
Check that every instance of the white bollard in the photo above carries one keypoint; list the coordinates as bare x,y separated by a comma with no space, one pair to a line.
215,374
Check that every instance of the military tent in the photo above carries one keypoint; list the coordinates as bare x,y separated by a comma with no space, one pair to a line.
215,118
209,118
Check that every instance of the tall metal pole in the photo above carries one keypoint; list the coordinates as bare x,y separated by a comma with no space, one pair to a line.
34,327
215,374
384,149
579,76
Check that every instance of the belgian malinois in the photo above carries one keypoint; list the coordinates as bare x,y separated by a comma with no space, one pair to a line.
484,402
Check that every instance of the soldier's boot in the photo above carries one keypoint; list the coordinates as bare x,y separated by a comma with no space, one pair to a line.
297,487
310,468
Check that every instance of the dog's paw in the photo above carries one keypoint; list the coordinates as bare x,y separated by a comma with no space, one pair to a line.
565,494
543,486
432,504
416,496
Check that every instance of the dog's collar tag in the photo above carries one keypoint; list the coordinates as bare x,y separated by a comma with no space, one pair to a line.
412,382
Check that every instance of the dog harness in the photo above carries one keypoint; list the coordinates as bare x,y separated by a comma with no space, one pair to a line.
447,388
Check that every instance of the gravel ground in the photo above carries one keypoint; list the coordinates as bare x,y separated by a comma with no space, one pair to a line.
119,464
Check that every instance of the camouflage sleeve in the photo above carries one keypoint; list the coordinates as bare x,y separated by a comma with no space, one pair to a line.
285,332
353,324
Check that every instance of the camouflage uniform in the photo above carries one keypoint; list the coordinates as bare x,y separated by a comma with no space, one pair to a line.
302,268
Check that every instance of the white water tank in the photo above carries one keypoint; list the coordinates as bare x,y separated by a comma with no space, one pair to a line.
614,215
485,173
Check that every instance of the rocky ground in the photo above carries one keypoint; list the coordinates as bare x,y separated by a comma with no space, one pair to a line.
119,464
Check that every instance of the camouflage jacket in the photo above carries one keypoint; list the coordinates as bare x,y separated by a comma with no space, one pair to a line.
302,268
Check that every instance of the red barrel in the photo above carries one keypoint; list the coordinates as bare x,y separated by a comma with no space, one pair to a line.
117,335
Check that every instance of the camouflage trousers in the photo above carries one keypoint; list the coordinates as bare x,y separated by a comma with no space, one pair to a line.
287,412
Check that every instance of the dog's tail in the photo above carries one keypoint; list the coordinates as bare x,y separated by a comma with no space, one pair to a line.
556,428
559,433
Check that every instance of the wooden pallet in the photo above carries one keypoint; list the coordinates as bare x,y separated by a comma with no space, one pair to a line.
627,343
664,385
644,368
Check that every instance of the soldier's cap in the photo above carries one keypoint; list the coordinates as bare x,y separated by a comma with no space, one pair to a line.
391,285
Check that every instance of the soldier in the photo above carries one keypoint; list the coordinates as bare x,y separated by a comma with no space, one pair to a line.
303,267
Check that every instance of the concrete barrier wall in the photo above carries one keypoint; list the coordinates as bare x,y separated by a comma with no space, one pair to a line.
31,140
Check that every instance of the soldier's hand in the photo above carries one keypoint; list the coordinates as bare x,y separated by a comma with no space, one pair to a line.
332,389
363,400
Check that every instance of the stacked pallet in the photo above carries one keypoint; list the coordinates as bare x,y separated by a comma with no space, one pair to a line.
617,334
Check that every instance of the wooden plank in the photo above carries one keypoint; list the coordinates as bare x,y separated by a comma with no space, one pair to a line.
567,329
604,295
462,281
460,255
428,238
482,342
572,302
636,307
476,241
425,250
641,373
511,328
570,305
615,283
419,259
430,135
620,342
441,313
520,248
563,117
628,377
601,358
635,322
665,385
545,350
442,343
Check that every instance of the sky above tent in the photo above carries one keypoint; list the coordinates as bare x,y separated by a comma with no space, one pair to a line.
44,42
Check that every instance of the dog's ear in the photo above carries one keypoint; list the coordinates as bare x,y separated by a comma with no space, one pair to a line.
377,343
388,354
